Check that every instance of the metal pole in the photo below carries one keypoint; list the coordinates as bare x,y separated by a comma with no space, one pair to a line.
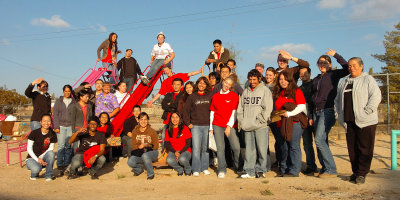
388,103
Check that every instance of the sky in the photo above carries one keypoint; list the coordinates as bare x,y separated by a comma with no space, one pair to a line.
58,40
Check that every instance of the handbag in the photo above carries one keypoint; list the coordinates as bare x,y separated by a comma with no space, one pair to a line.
211,142
114,141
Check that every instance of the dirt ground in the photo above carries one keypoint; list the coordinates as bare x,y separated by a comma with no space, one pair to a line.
117,182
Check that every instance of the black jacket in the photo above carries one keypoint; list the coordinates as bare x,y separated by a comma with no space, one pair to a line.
170,104
130,70
41,103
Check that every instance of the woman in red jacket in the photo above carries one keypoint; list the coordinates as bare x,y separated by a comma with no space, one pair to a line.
178,140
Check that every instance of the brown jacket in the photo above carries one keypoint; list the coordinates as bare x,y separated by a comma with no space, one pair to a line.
149,136
295,71
224,57
287,123
104,46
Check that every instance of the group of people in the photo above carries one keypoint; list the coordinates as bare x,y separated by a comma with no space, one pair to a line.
215,107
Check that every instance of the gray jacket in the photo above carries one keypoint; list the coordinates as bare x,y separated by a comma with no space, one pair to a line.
366,98
255,107
77,119
62,113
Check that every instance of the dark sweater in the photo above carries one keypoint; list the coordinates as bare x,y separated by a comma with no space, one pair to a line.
325,86
41,103
129,125
197,109
307,88
170,104
129,68
295,71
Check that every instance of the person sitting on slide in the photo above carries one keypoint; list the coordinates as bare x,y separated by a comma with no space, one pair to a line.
158,57
166,85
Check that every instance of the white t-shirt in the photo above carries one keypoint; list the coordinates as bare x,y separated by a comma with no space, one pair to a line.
120,96
161,52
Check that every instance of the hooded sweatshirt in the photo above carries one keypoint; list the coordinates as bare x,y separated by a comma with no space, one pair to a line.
255,107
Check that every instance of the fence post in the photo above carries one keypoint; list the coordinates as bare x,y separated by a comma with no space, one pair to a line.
393,148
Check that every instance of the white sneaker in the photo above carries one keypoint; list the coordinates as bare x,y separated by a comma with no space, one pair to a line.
206,172
221,175
49,179
196,174
33,178
246,176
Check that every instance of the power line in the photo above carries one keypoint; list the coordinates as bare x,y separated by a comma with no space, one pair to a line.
168,23
35,69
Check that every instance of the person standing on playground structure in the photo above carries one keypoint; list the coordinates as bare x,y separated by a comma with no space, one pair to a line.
220,54
110,52
129,69
159,57
166,85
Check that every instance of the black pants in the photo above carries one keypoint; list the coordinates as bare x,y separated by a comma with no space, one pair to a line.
360,144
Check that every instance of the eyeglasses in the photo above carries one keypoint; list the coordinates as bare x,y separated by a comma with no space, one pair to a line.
45,86
322,63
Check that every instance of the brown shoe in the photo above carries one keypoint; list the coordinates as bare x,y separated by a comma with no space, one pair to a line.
326,175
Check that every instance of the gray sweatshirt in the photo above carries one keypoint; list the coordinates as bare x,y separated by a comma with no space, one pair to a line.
366,98
255,108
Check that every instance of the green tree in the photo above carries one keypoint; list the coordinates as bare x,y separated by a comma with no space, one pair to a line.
391,58
10,99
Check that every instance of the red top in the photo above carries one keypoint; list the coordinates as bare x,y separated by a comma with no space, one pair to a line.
169,114
108,58
102,129
282,100
166,85
84,110
179,143
223,105
219,55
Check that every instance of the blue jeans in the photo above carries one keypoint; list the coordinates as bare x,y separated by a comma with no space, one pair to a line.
36,167
256,144
278,141
219,134
110,66
323,122
129,83
35,125
155,65
127,148
291,152
183,160
77,161
147,159
308,147
200,156
64,150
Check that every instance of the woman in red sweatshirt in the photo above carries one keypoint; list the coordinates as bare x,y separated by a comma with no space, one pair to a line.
178,140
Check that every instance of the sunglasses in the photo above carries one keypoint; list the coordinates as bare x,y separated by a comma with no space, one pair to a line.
323,63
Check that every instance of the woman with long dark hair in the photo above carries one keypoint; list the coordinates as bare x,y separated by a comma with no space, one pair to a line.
196,115
178,141
80,114
187,91
289,99
110,52
62,126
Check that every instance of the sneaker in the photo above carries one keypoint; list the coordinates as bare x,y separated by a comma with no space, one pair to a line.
196,174
206,172
144,80
180,173
353,178
221,175
94,176
327,175
188,174
360,180
279,174
247,176
290,175
33,178
150,177
309,172
260,175
49,179
72,176
136,174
